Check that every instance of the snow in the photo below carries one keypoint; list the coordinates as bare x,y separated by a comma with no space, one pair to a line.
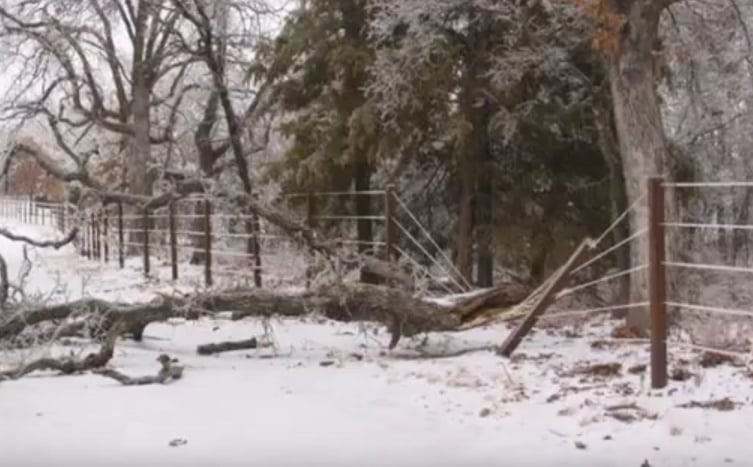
329,394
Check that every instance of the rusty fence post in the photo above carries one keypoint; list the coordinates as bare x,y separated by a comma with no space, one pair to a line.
256,227
389,220
88,228
82,237
145,233
97,236
121,242
207,243
657,282
173,239
106,235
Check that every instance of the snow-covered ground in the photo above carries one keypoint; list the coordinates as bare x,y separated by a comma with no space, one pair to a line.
329,395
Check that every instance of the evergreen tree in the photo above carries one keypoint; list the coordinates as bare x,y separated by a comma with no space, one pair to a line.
319,64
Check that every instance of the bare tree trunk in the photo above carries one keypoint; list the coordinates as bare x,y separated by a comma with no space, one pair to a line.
484,201
607,142
639,126
464,245
140,174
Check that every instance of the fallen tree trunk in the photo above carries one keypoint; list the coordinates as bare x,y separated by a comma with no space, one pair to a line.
402,313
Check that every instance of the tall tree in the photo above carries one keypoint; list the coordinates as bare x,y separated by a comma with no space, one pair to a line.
319,67
478,81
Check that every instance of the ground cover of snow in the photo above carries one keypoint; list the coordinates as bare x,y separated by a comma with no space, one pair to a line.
328,394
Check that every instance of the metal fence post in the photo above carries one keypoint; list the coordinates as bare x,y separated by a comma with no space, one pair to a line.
389,219
121,242
256,227
311,224
145,233
207,243
657,279
173,239
97,237
106,235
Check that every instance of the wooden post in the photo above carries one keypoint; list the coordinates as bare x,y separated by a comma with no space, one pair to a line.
207,243
106,235
311,224
87,223
548,294
389,221
97,237
256,227
145,233
121,249
657,282
83,236
173,239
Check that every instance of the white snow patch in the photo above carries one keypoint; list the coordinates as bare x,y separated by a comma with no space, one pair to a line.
330,395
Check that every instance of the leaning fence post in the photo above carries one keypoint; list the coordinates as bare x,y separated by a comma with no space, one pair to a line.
121,249
389,219
657,279
173,239
207,243
145,233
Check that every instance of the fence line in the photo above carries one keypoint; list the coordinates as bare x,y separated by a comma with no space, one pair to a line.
114,232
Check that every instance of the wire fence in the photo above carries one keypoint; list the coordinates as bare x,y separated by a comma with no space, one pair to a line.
230,241
654,272
232,244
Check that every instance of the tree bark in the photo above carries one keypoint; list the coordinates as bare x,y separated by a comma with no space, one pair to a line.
639,124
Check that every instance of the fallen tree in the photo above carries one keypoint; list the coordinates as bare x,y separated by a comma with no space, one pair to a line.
402,313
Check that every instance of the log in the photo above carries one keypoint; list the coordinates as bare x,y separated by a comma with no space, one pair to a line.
227,346
402,313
